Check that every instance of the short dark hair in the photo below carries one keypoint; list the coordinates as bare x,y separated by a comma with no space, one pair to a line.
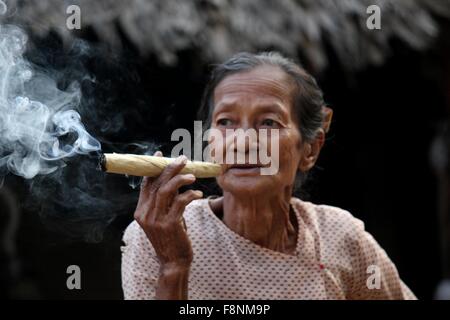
308,97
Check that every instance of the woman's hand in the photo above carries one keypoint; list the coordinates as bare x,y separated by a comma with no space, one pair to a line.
159,212
160,209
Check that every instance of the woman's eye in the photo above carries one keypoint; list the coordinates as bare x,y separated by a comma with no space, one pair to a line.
224,122
269,123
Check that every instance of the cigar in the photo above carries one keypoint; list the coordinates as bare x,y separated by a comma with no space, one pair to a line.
152,166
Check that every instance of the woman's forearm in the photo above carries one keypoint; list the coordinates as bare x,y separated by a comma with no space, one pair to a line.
173,283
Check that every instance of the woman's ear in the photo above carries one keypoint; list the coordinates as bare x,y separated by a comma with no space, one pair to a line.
311,151
327,117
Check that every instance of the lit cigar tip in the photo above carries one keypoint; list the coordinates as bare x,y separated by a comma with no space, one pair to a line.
102,162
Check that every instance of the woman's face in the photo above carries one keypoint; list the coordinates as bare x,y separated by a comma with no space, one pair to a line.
257,99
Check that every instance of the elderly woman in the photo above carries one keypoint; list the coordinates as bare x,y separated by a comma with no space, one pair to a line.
256,241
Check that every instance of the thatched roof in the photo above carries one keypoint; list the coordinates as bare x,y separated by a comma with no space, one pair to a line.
219,28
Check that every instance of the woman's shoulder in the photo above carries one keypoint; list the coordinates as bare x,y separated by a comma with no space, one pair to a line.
327,220
320,216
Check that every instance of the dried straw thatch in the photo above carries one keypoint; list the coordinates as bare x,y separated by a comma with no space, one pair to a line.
218,28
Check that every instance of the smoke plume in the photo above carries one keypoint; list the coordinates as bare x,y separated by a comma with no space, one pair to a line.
45,94
35,115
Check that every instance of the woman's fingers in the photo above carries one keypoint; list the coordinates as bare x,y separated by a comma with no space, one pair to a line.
146,201
162,193
160,208
147,181
172,186
181,201
161,199
170,171
167,192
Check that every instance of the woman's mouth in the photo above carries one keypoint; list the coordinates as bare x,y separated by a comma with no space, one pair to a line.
245,169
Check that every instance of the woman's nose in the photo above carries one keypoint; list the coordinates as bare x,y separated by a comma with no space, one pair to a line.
245,139
245,125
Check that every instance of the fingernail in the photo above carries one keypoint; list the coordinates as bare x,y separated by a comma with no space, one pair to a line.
182,159
190,176
199,193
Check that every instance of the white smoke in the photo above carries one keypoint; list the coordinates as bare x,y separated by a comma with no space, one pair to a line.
3,7
40,127
35,115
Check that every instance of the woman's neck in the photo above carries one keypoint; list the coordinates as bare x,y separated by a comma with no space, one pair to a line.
268,222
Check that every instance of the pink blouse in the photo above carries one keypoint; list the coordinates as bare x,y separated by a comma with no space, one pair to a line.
335,258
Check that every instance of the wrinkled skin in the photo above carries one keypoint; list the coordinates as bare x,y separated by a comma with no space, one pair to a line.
253,205
159,213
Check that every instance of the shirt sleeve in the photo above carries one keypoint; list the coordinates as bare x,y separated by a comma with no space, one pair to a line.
140,266
375,276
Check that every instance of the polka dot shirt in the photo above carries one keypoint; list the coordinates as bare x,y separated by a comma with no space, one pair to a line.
335,258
